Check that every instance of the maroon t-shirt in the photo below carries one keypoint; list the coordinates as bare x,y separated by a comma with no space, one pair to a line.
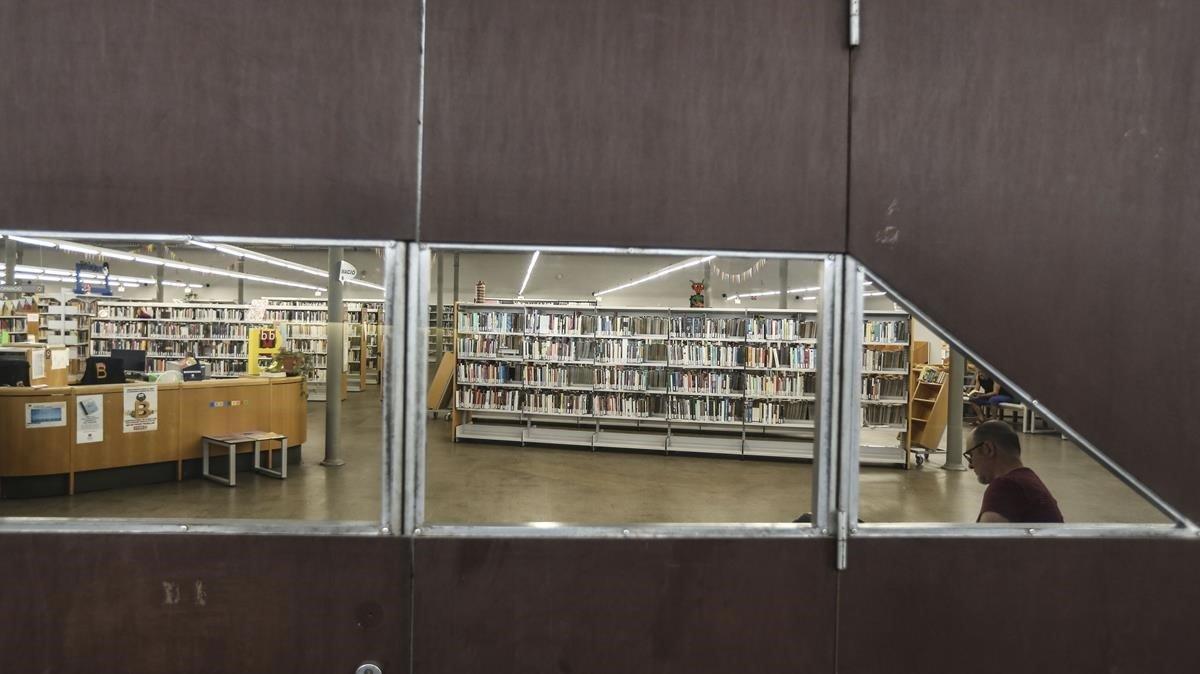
1020,496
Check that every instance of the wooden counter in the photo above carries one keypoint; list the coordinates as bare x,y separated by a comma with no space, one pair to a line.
186,411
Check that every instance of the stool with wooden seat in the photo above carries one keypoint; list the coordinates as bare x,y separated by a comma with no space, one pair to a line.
231,441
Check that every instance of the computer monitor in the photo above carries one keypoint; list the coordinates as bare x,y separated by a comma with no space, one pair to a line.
14,372
135,360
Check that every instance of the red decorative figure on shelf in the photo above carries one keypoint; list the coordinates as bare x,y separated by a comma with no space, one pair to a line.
696,301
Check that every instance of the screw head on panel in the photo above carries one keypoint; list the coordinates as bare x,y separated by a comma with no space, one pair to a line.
368,668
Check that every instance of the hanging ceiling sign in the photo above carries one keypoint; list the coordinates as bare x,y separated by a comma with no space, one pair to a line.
348,272
92,286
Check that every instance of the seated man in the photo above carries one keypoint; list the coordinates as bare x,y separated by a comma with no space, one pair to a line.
1014,493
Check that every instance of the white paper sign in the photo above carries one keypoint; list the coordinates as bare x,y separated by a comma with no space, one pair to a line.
37,369
347,271
59,359
89,419
140,412
45,415
257,310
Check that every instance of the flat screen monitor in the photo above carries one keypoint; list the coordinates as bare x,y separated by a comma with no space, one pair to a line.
135,361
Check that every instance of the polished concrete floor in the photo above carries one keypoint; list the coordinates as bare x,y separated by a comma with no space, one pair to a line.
311,491
471,482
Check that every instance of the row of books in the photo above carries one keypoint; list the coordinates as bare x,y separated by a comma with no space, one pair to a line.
616,324
798,356
884,360
781,384
877,388
886,331
491,321
779,412
174,313
100,328
307,331
707,382
298,315
884,415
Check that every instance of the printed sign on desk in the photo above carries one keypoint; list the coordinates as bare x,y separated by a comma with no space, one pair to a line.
141,409
89,419
45,415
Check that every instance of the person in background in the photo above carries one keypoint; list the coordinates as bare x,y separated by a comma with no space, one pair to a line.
1014,492
988,394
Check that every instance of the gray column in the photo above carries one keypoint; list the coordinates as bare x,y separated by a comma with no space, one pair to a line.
10,260
439,319
954,421
783,284
241,281
708,295
334,362
159,273
456,266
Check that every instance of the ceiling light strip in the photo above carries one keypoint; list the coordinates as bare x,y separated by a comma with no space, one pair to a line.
661,272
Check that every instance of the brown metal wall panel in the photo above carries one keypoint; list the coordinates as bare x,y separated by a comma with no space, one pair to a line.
1027,606
623,606
636,122
1026,172
190,603
276,117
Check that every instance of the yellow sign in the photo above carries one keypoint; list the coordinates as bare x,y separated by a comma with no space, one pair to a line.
263,342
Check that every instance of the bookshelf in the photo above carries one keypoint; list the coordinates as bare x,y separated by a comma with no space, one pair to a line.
930,406
885,401
216,334
14,319
712,381
67,320
304,323
441,334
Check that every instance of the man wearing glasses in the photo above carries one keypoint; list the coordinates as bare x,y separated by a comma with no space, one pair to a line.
1014,493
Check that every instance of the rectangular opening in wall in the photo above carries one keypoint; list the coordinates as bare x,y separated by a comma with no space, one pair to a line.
126,362
620,388
945,438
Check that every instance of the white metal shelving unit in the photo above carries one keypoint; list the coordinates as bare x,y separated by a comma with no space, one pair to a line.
720,418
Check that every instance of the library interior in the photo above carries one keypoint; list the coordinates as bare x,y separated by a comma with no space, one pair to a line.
209,379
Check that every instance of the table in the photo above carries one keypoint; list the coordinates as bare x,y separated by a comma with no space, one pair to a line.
230,443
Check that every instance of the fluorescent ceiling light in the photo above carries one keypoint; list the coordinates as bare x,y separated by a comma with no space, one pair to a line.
767,293
661,272
33,242
528,272
201,269
77,248
239,252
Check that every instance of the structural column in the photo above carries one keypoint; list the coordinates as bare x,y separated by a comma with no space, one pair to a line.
241,267
954,416
334,349
10,260
783,283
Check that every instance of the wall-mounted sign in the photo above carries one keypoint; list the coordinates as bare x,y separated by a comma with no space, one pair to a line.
348,272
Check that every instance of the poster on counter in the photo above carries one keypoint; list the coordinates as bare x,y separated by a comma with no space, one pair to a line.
141,409
59,359
45,415
37,365
89,419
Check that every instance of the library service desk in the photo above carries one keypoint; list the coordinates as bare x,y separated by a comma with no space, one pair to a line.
58,440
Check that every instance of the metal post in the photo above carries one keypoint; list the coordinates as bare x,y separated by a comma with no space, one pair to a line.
783,284
439,317
335,349
159,273
456,277
10,260
241,281
708,294
954,444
